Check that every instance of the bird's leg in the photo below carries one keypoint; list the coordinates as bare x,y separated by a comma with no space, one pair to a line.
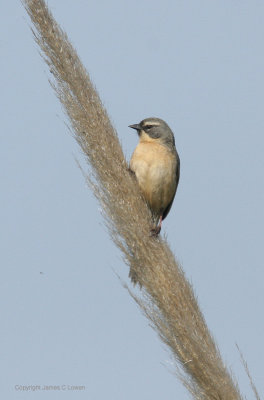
155,231
159,225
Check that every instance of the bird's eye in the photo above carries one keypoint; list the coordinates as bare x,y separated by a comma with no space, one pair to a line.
147,127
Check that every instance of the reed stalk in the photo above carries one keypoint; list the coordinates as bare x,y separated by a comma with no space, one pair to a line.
167,298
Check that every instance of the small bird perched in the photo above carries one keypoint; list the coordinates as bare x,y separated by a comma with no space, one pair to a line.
156,165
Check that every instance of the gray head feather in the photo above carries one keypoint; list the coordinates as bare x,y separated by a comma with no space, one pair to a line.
156,128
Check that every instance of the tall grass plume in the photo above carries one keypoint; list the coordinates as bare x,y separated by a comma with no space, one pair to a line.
167,297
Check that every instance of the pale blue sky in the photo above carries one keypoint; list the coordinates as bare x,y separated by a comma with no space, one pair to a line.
199,66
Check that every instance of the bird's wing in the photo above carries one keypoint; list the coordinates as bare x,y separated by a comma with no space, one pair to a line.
177,177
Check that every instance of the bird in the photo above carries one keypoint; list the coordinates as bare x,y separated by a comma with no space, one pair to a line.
156,165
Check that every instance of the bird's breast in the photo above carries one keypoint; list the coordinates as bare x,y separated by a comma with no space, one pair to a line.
155,168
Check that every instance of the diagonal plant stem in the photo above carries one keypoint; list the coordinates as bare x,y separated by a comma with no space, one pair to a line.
167,297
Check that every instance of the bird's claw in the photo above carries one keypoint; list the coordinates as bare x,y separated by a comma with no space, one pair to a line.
155,231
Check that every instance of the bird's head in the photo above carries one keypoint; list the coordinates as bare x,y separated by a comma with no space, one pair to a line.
154,129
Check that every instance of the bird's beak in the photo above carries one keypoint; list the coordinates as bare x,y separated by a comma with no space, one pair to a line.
135,126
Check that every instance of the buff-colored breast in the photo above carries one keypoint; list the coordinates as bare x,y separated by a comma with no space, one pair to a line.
155,167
